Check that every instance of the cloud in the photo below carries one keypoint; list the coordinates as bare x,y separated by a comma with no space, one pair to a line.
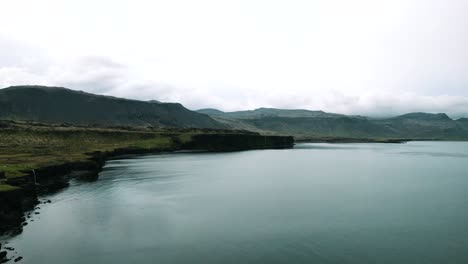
102,75
365,57
94,74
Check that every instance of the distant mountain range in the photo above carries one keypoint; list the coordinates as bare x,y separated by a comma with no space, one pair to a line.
305,124
61,105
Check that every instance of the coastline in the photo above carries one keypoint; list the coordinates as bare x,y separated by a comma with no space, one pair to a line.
361,140
18,202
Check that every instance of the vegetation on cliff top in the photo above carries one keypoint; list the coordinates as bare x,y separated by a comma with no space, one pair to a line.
25,146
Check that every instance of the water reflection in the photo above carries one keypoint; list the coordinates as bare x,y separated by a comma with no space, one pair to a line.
318,203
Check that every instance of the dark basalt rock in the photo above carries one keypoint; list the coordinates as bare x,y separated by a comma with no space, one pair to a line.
235,142
18,259
12,206
3,255
84,175
54,185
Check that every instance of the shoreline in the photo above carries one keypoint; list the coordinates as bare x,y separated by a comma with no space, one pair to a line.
19,202
332,140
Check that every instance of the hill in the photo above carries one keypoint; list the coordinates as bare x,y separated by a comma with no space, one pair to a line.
305,124
463,122
61,105
425,125
267,112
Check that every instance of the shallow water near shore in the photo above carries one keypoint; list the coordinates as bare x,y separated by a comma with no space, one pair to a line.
316,203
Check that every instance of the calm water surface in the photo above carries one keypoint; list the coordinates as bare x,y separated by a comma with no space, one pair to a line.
317,203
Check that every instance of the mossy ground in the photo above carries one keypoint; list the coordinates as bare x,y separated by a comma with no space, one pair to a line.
24,147
7,188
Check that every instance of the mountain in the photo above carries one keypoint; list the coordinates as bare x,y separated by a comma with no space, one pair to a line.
463,122
211,111
305,124
267,112
61,105
425,125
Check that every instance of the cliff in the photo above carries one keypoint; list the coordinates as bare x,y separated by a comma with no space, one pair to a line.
51,156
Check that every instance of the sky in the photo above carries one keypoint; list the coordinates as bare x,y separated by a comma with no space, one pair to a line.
366,57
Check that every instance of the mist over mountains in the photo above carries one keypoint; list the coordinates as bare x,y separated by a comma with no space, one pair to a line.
61,105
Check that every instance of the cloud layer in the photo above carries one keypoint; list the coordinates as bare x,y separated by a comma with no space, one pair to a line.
367,57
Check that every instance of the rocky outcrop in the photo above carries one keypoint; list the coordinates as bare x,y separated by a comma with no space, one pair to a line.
233,142
13,204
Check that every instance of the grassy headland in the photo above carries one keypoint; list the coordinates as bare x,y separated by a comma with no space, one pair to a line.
25,146
57,153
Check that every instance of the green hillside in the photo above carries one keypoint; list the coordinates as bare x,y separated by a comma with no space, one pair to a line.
61,105
305,124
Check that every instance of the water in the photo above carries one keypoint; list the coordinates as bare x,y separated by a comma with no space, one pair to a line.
317,203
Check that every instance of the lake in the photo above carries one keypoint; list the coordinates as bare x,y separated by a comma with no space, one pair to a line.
316,203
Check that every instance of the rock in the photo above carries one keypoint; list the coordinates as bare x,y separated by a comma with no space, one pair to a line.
4,260
55,185
25,223
2,175
18,259
48,201
3,255
36,213
84,175
9,248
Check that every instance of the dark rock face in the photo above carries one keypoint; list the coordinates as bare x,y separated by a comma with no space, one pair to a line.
83,175
2,175
3,255
232,142
12,206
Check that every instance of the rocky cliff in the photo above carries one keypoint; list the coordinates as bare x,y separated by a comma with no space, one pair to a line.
22,192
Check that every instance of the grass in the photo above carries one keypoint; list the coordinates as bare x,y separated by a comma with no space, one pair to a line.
7,188
26,150
26,146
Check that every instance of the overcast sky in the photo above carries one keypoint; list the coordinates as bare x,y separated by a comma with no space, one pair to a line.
356,57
